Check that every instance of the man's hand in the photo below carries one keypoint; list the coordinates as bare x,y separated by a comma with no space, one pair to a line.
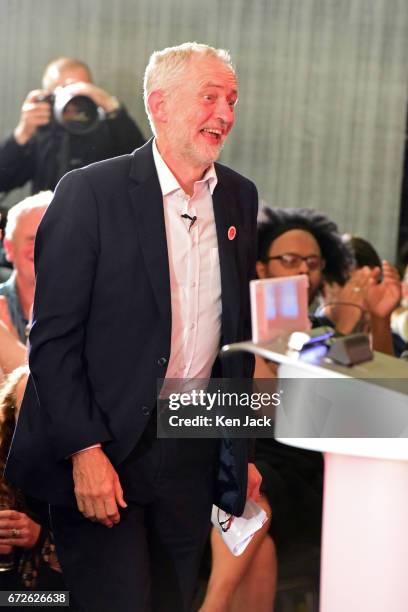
101,97
34,113
97,488
17,529
254,482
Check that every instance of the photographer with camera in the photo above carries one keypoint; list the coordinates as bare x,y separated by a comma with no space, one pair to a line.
67,124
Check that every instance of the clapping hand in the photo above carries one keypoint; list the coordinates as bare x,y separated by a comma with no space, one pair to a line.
383,297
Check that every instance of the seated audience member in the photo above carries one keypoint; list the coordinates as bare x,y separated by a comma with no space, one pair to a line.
302,241
17,293
41,150
29,543
399,318
366,301
289,242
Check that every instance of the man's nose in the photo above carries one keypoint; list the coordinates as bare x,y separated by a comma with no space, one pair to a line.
225,111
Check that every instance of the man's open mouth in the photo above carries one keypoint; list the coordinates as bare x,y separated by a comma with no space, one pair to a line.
212,134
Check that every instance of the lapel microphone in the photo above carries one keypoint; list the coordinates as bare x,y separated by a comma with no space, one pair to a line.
191,219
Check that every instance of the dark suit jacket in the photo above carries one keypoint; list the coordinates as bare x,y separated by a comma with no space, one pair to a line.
102,320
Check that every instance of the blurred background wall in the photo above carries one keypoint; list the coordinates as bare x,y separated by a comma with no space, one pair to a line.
323,87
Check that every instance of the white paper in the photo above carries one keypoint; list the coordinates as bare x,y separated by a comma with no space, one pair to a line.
242,528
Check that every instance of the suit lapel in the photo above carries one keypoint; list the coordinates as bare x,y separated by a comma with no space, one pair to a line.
147,201
223,212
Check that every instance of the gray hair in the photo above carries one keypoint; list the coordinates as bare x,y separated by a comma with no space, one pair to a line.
165,66
39,200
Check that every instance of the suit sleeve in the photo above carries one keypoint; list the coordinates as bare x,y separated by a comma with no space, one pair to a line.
66,256
17,164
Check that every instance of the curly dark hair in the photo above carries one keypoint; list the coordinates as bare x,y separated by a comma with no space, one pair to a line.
273,222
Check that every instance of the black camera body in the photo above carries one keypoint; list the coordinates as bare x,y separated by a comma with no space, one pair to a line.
77,114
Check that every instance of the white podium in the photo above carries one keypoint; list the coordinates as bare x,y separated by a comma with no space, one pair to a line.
360,423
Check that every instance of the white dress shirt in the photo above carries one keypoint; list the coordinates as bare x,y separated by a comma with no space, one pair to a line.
194,273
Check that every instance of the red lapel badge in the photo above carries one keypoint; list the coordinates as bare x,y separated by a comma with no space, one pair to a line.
232,232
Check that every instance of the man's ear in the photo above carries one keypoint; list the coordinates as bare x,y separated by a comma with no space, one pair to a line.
8,249
261,269
157,105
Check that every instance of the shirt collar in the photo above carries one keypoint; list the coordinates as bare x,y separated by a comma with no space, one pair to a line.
167,180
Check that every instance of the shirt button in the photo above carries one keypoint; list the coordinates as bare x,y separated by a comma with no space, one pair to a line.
145,410
162,361
193,285
193,326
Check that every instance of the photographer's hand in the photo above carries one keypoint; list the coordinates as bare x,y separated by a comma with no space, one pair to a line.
99,96
34,113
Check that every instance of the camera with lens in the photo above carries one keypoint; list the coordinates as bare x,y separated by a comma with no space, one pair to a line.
78,114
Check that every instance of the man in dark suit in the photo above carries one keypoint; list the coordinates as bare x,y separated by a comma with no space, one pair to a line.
143,264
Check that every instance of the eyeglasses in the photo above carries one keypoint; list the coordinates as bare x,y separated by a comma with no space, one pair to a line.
292,261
